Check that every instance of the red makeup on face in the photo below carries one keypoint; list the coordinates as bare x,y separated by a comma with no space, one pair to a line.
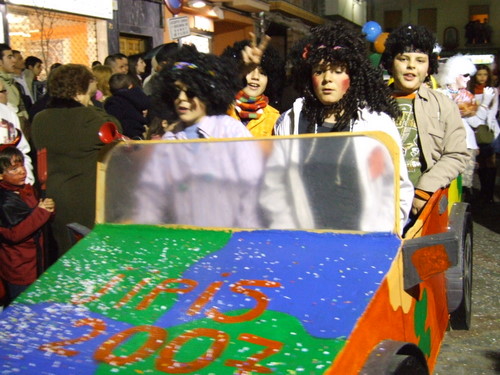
316,80
346,84
330,83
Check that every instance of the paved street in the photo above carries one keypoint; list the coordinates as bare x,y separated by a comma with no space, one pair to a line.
477,352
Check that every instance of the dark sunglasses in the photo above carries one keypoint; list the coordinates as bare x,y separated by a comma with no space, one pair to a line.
189,93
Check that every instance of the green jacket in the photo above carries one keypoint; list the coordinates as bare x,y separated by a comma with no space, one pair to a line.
70,135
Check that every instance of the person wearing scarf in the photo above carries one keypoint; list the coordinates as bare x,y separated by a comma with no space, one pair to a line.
254,103
252,107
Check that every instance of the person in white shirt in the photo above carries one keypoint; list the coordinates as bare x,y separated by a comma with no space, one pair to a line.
338,85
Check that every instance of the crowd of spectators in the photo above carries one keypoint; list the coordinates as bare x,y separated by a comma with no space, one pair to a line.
179,93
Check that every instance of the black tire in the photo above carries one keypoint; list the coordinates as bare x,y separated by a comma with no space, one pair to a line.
459,278
391,357
406,365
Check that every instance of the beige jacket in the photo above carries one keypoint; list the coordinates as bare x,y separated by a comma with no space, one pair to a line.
12,92
442,138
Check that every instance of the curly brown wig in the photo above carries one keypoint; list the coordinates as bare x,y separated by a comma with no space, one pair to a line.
339,45
69,80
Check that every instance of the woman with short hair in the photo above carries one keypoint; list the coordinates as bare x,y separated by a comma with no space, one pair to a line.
69,131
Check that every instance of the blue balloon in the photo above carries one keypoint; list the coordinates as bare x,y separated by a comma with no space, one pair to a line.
372,30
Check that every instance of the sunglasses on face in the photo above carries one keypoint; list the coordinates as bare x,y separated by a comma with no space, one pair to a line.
189,93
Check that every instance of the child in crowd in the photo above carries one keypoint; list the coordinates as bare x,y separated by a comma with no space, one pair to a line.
255,104
128,104
430,126
341,91
21,219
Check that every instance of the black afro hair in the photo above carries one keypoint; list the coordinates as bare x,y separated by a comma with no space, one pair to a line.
272,64
340,45
410,38
215,81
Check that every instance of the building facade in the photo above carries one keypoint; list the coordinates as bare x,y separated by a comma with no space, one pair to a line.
465,26
85,31
59,33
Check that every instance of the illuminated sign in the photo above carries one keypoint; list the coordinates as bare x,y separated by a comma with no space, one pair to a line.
482,59
93,8
178,27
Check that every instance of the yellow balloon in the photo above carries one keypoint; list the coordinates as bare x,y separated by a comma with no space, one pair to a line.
380,42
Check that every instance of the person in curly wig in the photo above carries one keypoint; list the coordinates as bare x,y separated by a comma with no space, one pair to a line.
200,88
430,125
255,103
337,81
410,38
341,91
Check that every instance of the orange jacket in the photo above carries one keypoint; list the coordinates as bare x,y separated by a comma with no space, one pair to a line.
264,125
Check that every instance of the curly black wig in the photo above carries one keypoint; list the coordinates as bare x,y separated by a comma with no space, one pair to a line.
272,64
341,46
215,81
410,38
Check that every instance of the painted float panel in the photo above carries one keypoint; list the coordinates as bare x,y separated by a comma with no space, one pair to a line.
149,299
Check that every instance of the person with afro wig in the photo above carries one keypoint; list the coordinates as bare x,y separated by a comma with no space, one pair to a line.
200,88
255,103
431,129
341,92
